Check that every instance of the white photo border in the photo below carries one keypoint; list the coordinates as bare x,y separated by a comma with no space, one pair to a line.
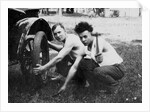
5,106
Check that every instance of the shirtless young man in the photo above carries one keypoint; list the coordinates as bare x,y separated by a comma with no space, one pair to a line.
72,46
108,68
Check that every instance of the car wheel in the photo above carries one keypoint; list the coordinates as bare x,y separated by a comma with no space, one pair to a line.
40,54
35,51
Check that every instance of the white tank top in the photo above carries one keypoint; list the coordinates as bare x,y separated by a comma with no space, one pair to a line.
110,56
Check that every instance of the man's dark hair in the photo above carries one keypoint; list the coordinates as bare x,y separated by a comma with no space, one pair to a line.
57,24
83,26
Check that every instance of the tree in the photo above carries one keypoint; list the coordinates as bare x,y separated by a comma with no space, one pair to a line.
60,11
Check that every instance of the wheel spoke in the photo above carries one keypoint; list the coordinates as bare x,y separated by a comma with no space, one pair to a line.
30,45
26,61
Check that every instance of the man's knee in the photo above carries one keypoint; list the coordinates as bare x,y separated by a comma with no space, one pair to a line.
87,64
98,70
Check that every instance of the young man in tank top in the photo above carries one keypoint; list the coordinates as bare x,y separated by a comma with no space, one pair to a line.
101,62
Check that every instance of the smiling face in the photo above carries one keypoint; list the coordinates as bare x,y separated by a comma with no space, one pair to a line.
86,37
59,33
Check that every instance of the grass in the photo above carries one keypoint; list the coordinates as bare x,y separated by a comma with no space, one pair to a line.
130,49
128,91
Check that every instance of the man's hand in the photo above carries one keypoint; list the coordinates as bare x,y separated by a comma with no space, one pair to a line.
99,58
62,89
39,69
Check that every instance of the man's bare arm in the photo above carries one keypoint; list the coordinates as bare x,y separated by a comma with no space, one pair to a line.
71,74
73,70
65,51
55,46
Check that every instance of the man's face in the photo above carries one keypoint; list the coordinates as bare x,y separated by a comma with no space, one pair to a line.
59,33
86,37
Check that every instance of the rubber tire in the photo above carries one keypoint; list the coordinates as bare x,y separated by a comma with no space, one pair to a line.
40,46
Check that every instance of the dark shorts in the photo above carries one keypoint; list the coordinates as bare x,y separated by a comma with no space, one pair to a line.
63,66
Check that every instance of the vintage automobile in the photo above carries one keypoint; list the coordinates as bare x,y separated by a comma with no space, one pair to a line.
28,37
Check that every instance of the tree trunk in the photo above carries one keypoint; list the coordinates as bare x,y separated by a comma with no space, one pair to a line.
60,11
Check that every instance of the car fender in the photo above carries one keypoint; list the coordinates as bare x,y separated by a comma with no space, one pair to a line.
28,27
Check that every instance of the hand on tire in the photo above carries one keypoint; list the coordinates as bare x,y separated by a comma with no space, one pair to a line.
38,70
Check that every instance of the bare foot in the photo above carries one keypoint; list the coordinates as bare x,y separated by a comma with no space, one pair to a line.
87,84
56,78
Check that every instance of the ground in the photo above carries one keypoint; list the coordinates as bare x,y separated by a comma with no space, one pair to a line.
125,34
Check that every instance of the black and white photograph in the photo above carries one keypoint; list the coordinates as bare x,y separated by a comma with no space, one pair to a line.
74,55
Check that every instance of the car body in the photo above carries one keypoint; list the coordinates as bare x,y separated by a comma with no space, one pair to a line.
22,24
28,37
